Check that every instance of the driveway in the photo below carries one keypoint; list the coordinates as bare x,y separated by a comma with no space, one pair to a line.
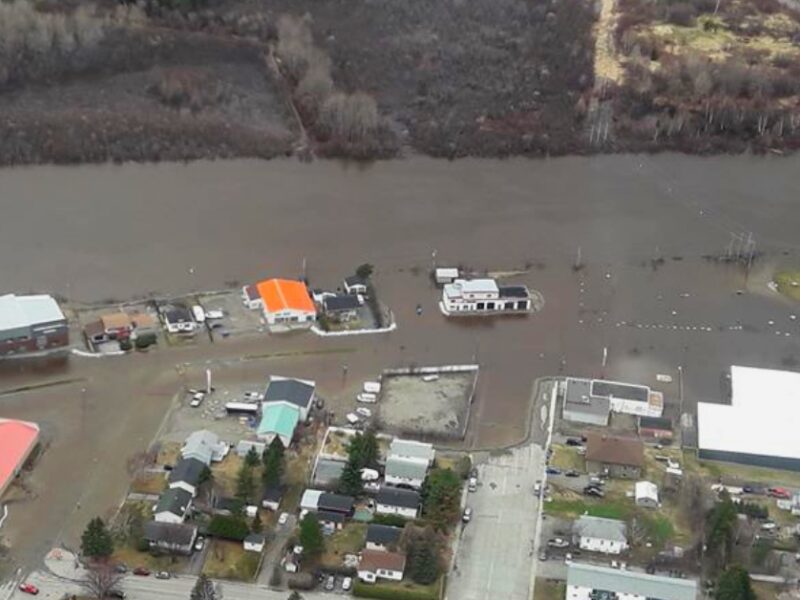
275,548
495,552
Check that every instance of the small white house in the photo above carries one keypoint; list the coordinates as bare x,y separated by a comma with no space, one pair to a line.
411,449
397,501
355,285
377,564
205,446
254,543
446,275
646,494
187,475
596,534
173,506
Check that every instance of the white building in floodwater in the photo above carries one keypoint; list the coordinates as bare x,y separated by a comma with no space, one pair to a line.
484,297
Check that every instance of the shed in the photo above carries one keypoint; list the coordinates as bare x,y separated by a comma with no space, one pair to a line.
254,543
445,275
646,494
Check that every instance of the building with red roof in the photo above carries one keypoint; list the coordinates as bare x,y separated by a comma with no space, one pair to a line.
17,441
286,302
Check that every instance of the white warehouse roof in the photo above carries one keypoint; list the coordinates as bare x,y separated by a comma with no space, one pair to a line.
472,286
24,311
761,419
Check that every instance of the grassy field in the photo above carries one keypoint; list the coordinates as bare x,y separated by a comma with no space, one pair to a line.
549,590
565,457
168,453
743,473
133,558
431,591
228,560
149,483
349,540
609,509
789,283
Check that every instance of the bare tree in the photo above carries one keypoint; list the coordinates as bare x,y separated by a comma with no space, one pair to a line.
351,116
295,44
100,580
316,84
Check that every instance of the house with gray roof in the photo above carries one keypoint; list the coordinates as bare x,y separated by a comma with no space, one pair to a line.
171,537
591,582
409,472
205,446
172,506
297,392
187,475
382,537
580,406
409,449
597,534
397,501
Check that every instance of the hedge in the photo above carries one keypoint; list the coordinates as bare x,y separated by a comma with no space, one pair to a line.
393,592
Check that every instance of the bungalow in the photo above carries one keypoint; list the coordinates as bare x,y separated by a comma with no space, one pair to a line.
278,419
243,447
187,475
396,501
619,456
251,297
254,543
409,472
409,449
597,534
331,521
297,392
341,308
205,446
271,497
178,319
317,500
172,506
170,537
377,564
382,537
286,302
143,323
355,285
646,494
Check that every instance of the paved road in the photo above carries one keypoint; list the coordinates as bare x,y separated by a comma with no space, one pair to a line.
495,554
149,588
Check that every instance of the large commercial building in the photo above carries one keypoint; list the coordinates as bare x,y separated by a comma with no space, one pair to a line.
591,582
31,324
17,441
759,426
484,297
591,401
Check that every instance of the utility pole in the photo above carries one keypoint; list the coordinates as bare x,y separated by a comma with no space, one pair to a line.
578,260
305,278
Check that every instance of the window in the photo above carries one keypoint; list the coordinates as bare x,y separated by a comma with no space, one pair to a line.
480,305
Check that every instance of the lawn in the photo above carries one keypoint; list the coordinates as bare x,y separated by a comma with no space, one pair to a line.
350,540
149,483
610,509
228,560
743,473
131,557
168,453
565,457
392,589
547,589
788,283
298,471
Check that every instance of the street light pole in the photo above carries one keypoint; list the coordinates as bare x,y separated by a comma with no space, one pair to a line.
680,389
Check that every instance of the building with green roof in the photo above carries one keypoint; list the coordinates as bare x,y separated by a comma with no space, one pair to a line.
278,419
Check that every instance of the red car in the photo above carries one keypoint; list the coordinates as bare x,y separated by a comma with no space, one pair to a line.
28,588
779,492
141,571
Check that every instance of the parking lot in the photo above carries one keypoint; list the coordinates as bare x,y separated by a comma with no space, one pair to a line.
496,550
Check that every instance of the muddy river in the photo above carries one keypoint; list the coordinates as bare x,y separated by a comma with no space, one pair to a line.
99,232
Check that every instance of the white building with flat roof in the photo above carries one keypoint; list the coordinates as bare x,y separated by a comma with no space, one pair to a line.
759,426
483,297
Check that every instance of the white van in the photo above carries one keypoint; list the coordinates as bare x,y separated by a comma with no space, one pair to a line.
372,387
198,313
367,398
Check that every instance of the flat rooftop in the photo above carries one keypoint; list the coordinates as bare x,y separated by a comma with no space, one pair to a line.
416,403
578,397
624,391
761,418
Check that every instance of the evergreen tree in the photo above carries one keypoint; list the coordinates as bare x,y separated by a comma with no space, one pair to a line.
245,485
441,495
721,522
350,482
251,459
203,589
96,540
424,562
311,535
734,584
257,526
295,595
273,460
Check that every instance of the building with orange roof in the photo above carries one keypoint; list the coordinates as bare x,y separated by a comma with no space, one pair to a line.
17,441
286,302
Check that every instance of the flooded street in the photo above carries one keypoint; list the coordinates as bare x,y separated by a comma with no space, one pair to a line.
97,233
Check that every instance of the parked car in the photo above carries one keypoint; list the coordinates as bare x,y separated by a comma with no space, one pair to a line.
779,492
574,442
121,568
141,571
254,396
199,543
593,491
553,471
366,398
330,583
558,543
215,313
283,519
162,575
537,488
472,486
28,588
347,583
543,555
572,473
364,412
197,399
116,594
467,516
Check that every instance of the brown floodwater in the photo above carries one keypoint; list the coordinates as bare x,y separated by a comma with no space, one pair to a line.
109,231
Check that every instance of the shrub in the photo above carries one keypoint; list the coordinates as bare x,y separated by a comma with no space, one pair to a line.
392,520
383,592
125,345
681,14
145,341
228,528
